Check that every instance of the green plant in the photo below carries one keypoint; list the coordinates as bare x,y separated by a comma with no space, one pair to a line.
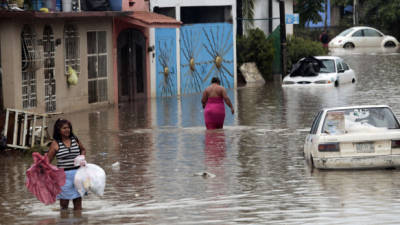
298,48
254,47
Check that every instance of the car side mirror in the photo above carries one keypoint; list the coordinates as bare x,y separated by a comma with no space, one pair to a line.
341,71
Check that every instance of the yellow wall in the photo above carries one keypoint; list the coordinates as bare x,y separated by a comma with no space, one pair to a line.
68,99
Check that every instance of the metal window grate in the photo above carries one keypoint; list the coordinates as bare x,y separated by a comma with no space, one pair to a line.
28,54
49,64
71,48
97,66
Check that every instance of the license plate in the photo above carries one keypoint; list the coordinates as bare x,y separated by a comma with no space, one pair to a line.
365,147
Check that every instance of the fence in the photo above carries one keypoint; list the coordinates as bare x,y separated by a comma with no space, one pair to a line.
21,128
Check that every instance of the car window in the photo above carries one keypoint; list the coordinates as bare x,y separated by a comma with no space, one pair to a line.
345,66
346,32
339,66
314,126
372,33
329,66
360,120
359,33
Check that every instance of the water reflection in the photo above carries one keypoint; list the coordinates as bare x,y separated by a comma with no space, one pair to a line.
364,51
214,148
67,217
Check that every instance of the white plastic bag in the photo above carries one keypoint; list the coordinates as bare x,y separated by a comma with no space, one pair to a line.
80,160
90,177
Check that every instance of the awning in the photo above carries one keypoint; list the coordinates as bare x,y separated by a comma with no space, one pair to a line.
151,19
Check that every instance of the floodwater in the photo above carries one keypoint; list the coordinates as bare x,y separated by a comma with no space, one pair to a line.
254,170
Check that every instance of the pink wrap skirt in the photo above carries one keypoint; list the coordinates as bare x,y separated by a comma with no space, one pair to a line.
214,113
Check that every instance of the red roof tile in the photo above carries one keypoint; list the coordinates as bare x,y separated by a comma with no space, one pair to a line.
151,19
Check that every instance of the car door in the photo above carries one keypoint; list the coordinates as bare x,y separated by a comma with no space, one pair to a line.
344,72
308,145
373,38
358,38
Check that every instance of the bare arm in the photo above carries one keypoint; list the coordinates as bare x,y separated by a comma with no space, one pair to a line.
204,99
52,150
227,100
83,150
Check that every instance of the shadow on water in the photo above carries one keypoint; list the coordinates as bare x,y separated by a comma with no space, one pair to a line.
256,173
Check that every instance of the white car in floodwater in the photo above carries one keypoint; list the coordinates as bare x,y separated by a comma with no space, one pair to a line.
362,36
355,137
319,71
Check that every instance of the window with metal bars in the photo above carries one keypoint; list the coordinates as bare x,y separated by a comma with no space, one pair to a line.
71,48
48,69
97,65
28,48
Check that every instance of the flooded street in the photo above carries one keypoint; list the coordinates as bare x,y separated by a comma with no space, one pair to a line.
173,171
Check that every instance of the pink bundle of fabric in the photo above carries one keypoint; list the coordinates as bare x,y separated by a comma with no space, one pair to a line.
43,179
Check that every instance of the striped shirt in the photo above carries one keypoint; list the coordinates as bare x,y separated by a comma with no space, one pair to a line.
65,156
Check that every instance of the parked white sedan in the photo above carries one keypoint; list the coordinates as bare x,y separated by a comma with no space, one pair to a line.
321,71
363,37
356,137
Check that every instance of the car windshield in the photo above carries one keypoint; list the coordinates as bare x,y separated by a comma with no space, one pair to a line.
329,66
345,32
359,120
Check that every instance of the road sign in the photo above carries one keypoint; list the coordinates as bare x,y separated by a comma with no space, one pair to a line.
292,18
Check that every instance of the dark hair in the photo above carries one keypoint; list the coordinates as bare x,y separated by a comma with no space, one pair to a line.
57,127
215,80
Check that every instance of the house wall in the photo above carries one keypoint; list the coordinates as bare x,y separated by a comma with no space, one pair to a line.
261,12
68,98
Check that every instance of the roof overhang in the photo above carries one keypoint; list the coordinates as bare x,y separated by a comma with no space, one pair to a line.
150,20
62,15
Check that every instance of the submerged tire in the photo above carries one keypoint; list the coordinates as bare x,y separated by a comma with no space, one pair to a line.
390,44
348,45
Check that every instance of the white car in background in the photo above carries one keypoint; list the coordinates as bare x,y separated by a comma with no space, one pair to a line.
355,137
321,71
363,37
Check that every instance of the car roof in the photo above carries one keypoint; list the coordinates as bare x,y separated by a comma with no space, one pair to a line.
327,57
356,107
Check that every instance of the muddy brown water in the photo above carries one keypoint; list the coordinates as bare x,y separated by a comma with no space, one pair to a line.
256,173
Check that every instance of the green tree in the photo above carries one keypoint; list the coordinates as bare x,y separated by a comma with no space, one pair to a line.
381,14
309,10
255,47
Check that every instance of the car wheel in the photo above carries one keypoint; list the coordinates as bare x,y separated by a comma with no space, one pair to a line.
353,81
336,83
348,45
390,44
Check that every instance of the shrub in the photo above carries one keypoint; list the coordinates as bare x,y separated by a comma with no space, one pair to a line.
298,48
254,47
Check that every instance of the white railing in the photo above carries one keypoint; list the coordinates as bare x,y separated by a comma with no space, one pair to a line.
25,128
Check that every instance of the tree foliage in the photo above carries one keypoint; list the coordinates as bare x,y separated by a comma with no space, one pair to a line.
381,14
299,47
254,47
309,10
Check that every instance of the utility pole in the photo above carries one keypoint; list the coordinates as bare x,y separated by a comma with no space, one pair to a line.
355,12
283,36
270,17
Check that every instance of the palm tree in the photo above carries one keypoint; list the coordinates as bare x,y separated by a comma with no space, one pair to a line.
245,13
